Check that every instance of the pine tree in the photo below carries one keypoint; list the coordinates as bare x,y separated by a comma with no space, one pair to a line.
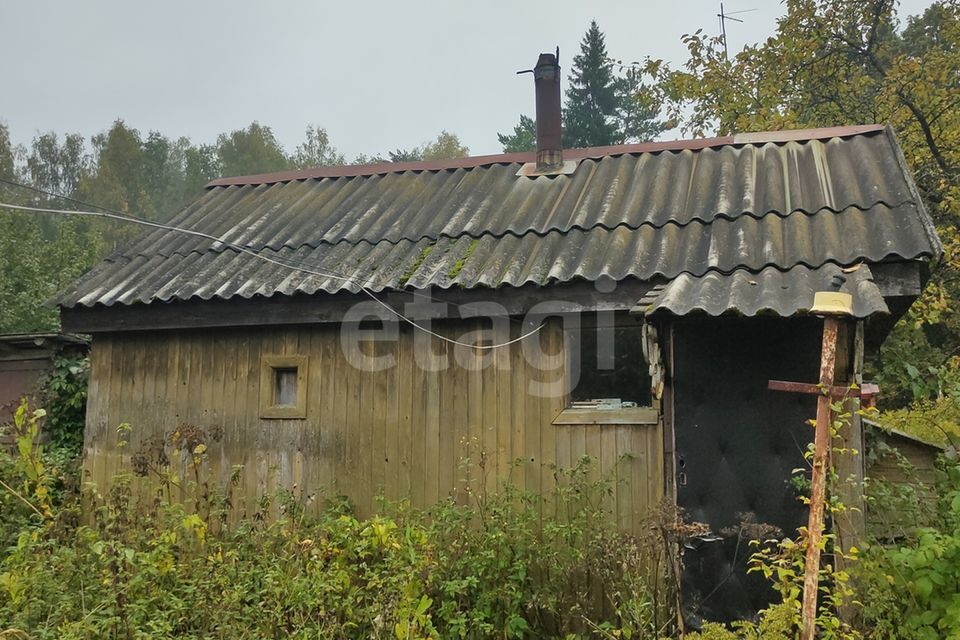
523,138
592,97
603,107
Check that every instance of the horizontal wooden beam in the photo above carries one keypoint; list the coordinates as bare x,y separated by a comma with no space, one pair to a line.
333,308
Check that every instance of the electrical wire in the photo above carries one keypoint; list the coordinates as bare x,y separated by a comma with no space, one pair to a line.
131,218
126,217
110,214
50,194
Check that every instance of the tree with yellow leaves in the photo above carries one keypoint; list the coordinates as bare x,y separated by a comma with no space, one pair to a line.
840,62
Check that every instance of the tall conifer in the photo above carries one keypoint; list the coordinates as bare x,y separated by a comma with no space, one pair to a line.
592,100
604,105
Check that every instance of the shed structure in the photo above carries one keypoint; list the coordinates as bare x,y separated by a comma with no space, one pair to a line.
25,358
903,471
648,292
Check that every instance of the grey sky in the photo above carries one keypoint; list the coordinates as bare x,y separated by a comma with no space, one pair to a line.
376,75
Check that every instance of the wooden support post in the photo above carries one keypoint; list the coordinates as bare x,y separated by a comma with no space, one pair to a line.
847,462
833,305
821,461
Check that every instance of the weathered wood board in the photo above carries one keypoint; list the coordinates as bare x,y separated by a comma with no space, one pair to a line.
402,432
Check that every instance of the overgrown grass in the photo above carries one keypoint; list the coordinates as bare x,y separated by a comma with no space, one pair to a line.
128,565
143,567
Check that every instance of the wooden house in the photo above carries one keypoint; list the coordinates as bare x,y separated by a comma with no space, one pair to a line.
331,329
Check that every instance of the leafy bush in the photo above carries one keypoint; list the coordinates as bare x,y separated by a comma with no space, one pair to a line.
776,623
33,484
916,364
932,421
143,567
64,394
912,590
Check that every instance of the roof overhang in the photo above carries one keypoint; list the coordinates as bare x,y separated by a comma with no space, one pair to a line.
767,292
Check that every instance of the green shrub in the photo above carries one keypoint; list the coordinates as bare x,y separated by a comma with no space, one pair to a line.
143,567
35,485
64,394
911,589
776,623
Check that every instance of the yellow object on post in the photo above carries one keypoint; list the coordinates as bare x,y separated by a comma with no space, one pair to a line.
832,303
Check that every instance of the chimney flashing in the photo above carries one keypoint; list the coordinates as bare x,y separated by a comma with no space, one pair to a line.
532,169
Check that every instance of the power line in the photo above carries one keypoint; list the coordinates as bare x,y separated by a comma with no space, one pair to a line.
44,192
127,217
116,215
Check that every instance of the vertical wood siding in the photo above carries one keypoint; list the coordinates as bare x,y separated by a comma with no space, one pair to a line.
890,522
403,432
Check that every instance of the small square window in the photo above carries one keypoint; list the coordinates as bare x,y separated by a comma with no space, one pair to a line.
283,387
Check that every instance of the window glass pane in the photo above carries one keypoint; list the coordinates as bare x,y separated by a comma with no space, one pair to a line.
611,365
285,390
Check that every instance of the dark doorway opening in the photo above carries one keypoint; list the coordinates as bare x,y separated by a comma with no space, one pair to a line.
736,444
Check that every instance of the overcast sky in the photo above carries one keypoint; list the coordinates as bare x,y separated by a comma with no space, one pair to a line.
376,75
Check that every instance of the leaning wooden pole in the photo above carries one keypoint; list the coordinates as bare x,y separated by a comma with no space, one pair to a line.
818,483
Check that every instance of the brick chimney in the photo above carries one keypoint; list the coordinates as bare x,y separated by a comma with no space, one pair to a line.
546,77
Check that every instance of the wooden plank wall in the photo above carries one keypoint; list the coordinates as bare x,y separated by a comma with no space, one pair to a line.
888,521
403,432
19,378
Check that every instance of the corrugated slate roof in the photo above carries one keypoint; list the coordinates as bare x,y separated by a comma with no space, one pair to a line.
831,197
770,291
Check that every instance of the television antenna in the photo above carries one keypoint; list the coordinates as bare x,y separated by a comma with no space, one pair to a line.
724,16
